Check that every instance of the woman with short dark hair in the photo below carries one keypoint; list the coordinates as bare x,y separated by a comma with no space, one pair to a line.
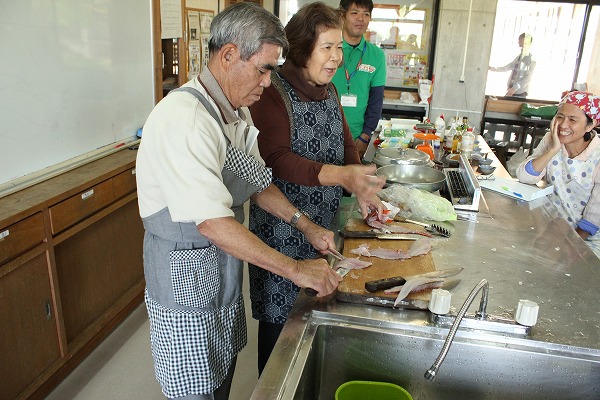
305,139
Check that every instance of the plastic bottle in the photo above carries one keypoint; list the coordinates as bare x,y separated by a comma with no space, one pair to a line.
447,144
456,140
440,124
448,135
467,143
438,153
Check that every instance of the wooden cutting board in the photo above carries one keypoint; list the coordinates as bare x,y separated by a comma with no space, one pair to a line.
352,288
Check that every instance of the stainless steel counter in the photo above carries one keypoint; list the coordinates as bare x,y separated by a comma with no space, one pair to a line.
519,249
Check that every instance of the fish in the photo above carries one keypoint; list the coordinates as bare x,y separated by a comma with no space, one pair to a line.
353,263
420,247
374,222
419,283
361,250
416,285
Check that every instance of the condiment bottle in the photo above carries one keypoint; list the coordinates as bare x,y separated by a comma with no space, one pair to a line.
467,142
448,135
456,140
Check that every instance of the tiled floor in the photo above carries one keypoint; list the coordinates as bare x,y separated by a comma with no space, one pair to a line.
121,367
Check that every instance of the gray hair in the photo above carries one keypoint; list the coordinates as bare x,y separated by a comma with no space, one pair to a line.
248,26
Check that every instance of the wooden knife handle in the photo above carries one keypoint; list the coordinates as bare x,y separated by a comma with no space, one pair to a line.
381,284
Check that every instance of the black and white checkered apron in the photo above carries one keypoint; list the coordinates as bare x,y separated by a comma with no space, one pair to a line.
193,291
318,135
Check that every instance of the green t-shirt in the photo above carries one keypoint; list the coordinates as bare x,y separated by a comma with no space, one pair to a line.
370,73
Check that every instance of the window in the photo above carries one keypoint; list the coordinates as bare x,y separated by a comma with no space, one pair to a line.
536,49
405,32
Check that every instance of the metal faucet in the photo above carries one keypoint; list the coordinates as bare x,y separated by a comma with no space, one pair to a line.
481,315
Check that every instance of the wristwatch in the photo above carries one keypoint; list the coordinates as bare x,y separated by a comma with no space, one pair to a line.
296,217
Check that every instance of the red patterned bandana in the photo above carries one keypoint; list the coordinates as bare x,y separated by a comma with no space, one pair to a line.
587,102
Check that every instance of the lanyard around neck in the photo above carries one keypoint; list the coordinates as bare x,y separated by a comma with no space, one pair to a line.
349,76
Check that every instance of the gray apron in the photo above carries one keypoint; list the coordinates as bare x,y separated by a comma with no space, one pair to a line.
193,290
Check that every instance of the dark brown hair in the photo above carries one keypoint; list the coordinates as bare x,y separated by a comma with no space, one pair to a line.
304,28
346,4
589,135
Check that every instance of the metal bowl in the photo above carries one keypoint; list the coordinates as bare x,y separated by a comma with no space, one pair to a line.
414,176
393,155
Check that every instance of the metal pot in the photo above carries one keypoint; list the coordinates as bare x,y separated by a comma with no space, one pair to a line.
414,176
398,156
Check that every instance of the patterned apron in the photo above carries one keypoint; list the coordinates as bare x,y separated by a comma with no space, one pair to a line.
193,290
573,181
317,134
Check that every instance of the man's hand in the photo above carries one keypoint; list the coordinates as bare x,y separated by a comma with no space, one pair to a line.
362,146
317,275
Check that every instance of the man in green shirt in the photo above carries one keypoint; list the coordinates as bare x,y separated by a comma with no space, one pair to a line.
360,80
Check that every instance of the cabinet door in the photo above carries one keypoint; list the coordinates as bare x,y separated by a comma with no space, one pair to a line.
28,332
97,266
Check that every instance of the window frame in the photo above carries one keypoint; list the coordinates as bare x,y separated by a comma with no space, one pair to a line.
589,4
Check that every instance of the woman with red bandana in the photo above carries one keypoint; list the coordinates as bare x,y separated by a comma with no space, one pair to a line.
568,157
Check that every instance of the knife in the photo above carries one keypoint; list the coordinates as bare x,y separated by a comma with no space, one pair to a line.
378,235
342,272
386,283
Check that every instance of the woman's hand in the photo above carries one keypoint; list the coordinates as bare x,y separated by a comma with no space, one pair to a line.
539,163
319,237
555,144
361,181
368,203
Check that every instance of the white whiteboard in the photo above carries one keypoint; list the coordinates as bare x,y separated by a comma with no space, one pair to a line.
75,75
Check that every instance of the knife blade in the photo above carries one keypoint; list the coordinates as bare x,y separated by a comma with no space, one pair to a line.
340,271
386,283
378,235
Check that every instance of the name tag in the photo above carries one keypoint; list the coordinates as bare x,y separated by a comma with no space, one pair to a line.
349,100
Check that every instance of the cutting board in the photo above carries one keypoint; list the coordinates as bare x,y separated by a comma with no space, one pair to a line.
352,288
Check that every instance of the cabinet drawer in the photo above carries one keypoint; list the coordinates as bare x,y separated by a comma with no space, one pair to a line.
124,183
76,208
21,236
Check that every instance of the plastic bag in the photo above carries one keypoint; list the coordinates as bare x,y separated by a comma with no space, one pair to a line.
513,163
418,203
544,112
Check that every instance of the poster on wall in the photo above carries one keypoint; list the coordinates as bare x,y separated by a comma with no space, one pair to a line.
204,50
194,58
170,19
404,69
198,32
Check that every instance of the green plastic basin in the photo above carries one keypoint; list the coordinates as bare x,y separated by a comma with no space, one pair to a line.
367,390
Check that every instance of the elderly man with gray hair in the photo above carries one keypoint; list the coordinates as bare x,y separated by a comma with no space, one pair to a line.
197,165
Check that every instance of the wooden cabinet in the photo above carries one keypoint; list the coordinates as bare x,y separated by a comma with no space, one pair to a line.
71,270
21,236
28,337
89,266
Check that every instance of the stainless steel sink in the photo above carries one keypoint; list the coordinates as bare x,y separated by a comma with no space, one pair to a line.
336,349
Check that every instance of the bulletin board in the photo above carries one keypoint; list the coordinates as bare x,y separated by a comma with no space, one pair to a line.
197,23
76,76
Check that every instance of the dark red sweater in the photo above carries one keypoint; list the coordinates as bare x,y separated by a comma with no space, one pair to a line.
270,117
